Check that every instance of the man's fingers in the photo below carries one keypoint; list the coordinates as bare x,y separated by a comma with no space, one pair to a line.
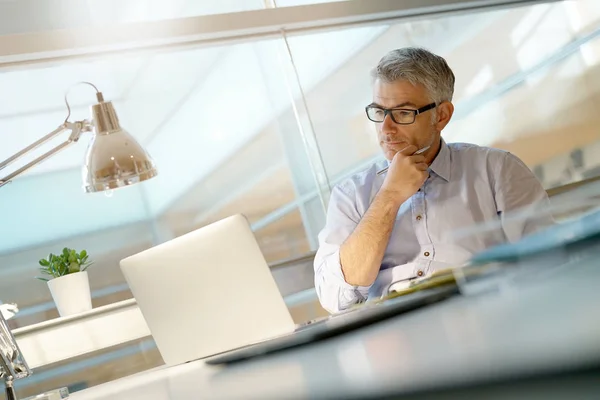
422,166
417,159
409,150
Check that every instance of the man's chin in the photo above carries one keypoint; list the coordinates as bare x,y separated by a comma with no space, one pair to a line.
391,149
389,154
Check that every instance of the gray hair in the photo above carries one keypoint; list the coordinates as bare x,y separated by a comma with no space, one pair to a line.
418,66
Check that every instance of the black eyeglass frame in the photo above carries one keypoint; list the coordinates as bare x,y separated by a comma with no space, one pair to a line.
387,111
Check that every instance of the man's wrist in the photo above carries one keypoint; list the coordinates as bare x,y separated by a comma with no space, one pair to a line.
392,198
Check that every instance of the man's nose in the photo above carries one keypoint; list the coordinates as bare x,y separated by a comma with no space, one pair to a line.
388,125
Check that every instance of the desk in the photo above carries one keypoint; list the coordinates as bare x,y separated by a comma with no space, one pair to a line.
94,330
550,326
111,325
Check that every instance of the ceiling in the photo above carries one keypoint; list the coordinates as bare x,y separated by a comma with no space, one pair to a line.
25,16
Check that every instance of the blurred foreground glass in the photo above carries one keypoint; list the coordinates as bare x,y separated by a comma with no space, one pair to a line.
574,236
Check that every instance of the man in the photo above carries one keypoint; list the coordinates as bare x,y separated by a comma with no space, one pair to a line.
392,226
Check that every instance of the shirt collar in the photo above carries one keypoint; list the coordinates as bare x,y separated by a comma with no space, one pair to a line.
441,163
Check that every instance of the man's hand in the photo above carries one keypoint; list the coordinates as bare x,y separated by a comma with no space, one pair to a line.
406,174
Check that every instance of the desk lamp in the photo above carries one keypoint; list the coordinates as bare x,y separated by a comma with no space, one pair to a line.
113,159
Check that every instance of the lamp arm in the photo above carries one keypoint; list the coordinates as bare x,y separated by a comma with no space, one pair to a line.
76,128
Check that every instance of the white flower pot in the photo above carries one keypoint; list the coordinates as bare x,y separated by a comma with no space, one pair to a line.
71,293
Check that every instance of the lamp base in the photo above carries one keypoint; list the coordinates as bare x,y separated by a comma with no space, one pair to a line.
10,390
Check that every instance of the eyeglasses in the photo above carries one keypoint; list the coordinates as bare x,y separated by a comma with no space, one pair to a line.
400,116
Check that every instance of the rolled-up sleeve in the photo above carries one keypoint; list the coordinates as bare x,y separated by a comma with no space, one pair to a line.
335,294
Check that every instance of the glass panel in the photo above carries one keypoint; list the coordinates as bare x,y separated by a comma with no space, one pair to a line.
284,239
522,94
219,125
527,81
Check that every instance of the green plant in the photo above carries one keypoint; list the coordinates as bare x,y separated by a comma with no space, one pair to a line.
68,262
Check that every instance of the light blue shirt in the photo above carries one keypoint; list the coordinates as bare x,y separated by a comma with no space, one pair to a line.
467,185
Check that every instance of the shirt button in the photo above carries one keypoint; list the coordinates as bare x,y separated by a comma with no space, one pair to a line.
426,254
419,217
420,273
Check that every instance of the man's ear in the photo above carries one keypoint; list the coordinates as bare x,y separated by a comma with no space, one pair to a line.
444,114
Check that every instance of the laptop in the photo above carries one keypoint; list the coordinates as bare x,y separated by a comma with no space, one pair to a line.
210,294
207,292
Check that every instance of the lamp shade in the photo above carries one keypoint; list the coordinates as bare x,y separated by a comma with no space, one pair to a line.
114,158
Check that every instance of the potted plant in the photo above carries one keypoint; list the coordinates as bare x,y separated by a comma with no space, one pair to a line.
68,281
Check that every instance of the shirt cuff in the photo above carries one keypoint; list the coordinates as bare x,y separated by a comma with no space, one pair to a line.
350,292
